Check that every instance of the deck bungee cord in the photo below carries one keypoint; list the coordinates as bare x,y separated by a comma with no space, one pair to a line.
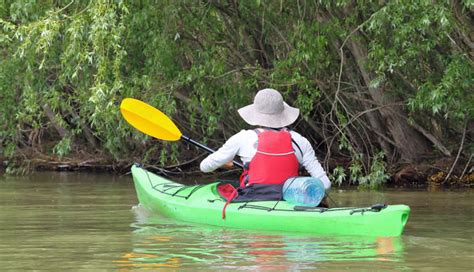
170,186
247,205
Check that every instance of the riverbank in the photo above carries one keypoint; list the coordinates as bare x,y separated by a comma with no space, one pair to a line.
28,160
438,172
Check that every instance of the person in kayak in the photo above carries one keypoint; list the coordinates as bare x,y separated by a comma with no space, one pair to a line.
271,153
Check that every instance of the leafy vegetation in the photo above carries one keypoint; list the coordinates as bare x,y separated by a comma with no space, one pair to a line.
378,82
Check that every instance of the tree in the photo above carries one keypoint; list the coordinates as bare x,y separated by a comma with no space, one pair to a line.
369,77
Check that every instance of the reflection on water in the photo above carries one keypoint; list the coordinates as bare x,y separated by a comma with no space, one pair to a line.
162,242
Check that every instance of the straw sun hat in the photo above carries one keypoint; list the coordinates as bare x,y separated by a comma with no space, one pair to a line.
269,110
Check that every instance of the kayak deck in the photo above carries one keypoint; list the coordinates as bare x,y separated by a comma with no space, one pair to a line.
202,204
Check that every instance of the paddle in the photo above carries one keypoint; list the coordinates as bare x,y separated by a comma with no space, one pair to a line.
154,123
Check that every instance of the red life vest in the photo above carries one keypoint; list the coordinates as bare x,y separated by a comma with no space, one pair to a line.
275,160
273,163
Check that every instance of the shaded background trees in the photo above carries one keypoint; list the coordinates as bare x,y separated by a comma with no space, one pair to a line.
379,83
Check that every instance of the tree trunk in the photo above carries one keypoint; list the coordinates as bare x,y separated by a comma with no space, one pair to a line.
350,70
409,143
86,131
52,118
464,28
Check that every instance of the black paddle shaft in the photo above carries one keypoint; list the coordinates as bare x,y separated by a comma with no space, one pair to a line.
210,150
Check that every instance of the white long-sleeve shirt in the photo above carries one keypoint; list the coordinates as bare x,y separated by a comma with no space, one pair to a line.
244,145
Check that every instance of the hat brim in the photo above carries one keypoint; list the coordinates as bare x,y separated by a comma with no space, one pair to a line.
255,118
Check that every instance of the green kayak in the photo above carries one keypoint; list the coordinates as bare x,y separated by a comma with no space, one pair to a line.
202,204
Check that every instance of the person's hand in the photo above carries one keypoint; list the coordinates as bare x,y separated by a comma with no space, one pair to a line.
228,165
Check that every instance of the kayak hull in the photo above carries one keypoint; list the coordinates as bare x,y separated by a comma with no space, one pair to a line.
202,204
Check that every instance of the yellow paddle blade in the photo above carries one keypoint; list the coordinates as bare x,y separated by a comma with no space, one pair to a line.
149,120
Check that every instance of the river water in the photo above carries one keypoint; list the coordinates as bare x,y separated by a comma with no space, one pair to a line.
77,221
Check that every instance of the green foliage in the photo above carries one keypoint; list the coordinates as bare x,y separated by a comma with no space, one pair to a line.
372,176
62,147
419,34
449,95
338,175
199,61
377,175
